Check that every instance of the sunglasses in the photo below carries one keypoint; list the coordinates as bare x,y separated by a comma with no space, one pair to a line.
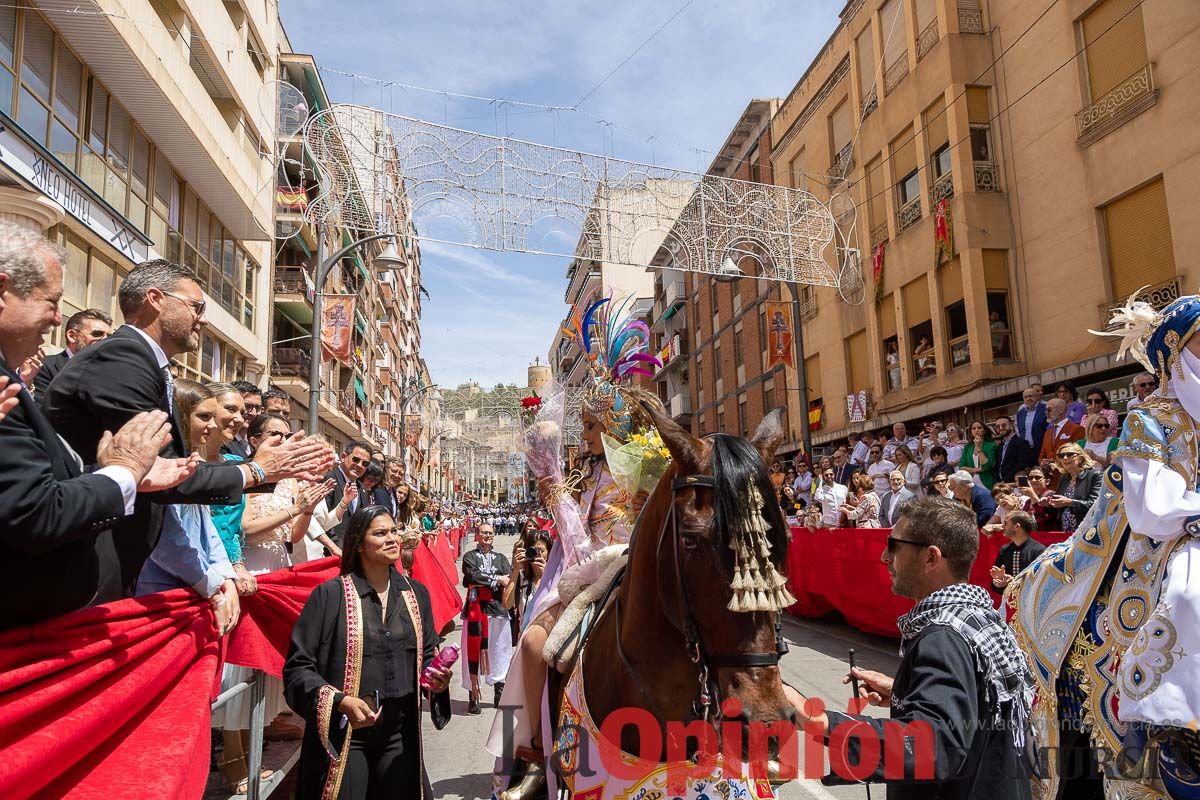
1037,477
893,543
357,460
1102,425
1094,401
197,306
277,435
1143,386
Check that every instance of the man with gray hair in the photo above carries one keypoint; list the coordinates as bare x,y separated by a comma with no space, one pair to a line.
972,495
110,382
56,522
962,679
83,328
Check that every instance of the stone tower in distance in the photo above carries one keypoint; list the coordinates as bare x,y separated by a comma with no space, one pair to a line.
539,375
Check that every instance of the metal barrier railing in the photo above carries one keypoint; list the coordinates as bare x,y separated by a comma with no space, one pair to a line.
258,787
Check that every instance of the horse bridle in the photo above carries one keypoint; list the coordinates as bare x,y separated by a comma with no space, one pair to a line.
709,688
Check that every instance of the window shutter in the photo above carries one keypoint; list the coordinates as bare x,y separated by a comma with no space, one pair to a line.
995,269
904,154
895,37
812,371
887,317
950,281
876,201
867,64
916,302
860,370
978,110
840,127
936,131
1114,36
926,13
1140,250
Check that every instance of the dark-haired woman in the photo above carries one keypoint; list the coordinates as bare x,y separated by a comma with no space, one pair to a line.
1076,410
353,671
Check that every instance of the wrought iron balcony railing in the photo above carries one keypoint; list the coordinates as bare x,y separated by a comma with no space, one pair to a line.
843,160
897,72
869,103
942,189
927,40
987,177
1159,296
1129,98
908,214
970,19
879,234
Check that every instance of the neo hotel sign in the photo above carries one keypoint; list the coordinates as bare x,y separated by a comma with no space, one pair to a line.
46,173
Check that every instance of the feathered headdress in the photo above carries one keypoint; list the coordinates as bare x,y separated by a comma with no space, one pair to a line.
1155,338
616,347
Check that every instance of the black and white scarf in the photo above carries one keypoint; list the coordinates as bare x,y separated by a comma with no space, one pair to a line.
967,610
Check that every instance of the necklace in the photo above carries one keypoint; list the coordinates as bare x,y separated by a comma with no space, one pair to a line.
383,601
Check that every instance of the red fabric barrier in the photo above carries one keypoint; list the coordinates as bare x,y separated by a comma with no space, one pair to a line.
840,569
442,585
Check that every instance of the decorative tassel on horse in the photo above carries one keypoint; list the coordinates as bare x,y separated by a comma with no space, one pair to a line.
757,585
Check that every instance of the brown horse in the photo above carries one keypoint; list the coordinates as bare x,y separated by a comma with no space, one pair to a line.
669,641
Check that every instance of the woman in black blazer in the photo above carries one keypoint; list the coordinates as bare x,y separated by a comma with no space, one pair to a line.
1078,487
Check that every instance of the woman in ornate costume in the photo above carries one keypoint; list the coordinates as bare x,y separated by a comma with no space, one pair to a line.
1110,619
590,513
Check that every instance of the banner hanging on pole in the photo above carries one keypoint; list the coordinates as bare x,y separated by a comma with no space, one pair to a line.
412,430
780,336
337,326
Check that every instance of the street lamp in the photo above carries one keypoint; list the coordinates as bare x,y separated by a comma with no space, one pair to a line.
389,259
731,273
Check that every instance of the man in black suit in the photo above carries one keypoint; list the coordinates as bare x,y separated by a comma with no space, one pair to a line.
1014,454
354,464
107,384
82,329
56,520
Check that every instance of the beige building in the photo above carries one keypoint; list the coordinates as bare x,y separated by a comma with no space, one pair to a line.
144,124
1064,159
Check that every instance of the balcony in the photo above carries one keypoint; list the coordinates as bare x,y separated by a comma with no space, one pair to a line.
970,18
897,72
674,294
869,103
942,189
927,40
1128,99
879,234
843,160
908,214
291,362
679,404
987,177
1158,296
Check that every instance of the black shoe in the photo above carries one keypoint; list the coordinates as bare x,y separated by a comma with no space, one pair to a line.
473,706
499,687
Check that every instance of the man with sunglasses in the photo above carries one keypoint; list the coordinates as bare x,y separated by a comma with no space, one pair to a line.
960,700
349,473
1144,384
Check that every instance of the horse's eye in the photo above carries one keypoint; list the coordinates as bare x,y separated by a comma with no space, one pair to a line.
689,540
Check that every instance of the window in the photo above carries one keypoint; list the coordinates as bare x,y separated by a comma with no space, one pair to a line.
908,187
979,116
754,168
951,285
1114,39
737,347
890,344
858,366
796,176
812,375
995,280
742,420
1133,223
895,48
937,137
941,161
768,399
876,201
920,329
721,419
865,56
841,131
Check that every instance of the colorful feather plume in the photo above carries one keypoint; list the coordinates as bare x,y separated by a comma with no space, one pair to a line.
616,342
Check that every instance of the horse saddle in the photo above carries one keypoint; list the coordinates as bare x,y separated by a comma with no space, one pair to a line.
584,605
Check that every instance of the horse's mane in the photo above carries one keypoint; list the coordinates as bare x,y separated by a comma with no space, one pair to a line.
737,465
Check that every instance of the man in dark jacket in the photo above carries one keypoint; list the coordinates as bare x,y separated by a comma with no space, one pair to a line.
83,328
961,698
1014,453
485,574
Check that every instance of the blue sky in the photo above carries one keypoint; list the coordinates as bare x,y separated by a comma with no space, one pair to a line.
489,314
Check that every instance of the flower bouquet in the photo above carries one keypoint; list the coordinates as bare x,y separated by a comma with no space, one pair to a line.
637,465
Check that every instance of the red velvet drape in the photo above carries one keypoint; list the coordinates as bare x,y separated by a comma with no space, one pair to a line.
839,569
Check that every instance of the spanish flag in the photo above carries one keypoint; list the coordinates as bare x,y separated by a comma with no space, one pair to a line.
815,416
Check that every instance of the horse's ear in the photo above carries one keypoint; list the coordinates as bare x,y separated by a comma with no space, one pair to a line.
769,435
685,449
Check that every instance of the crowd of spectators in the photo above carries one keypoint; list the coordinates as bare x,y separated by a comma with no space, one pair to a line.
1044,462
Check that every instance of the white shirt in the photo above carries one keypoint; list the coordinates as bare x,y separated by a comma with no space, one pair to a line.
880,471
831,496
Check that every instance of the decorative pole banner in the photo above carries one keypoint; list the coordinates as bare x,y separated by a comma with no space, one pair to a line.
412,430
877,272
779,335
337,324
943,231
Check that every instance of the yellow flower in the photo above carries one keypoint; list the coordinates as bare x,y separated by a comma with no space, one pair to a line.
664,452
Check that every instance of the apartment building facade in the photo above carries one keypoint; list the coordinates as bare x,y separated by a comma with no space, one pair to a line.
1060,162
149,145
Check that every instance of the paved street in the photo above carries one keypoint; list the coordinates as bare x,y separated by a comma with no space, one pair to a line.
460,768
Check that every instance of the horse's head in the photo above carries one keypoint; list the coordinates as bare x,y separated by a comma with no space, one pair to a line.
720,559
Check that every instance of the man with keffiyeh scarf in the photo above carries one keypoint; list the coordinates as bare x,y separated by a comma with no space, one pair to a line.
960,700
